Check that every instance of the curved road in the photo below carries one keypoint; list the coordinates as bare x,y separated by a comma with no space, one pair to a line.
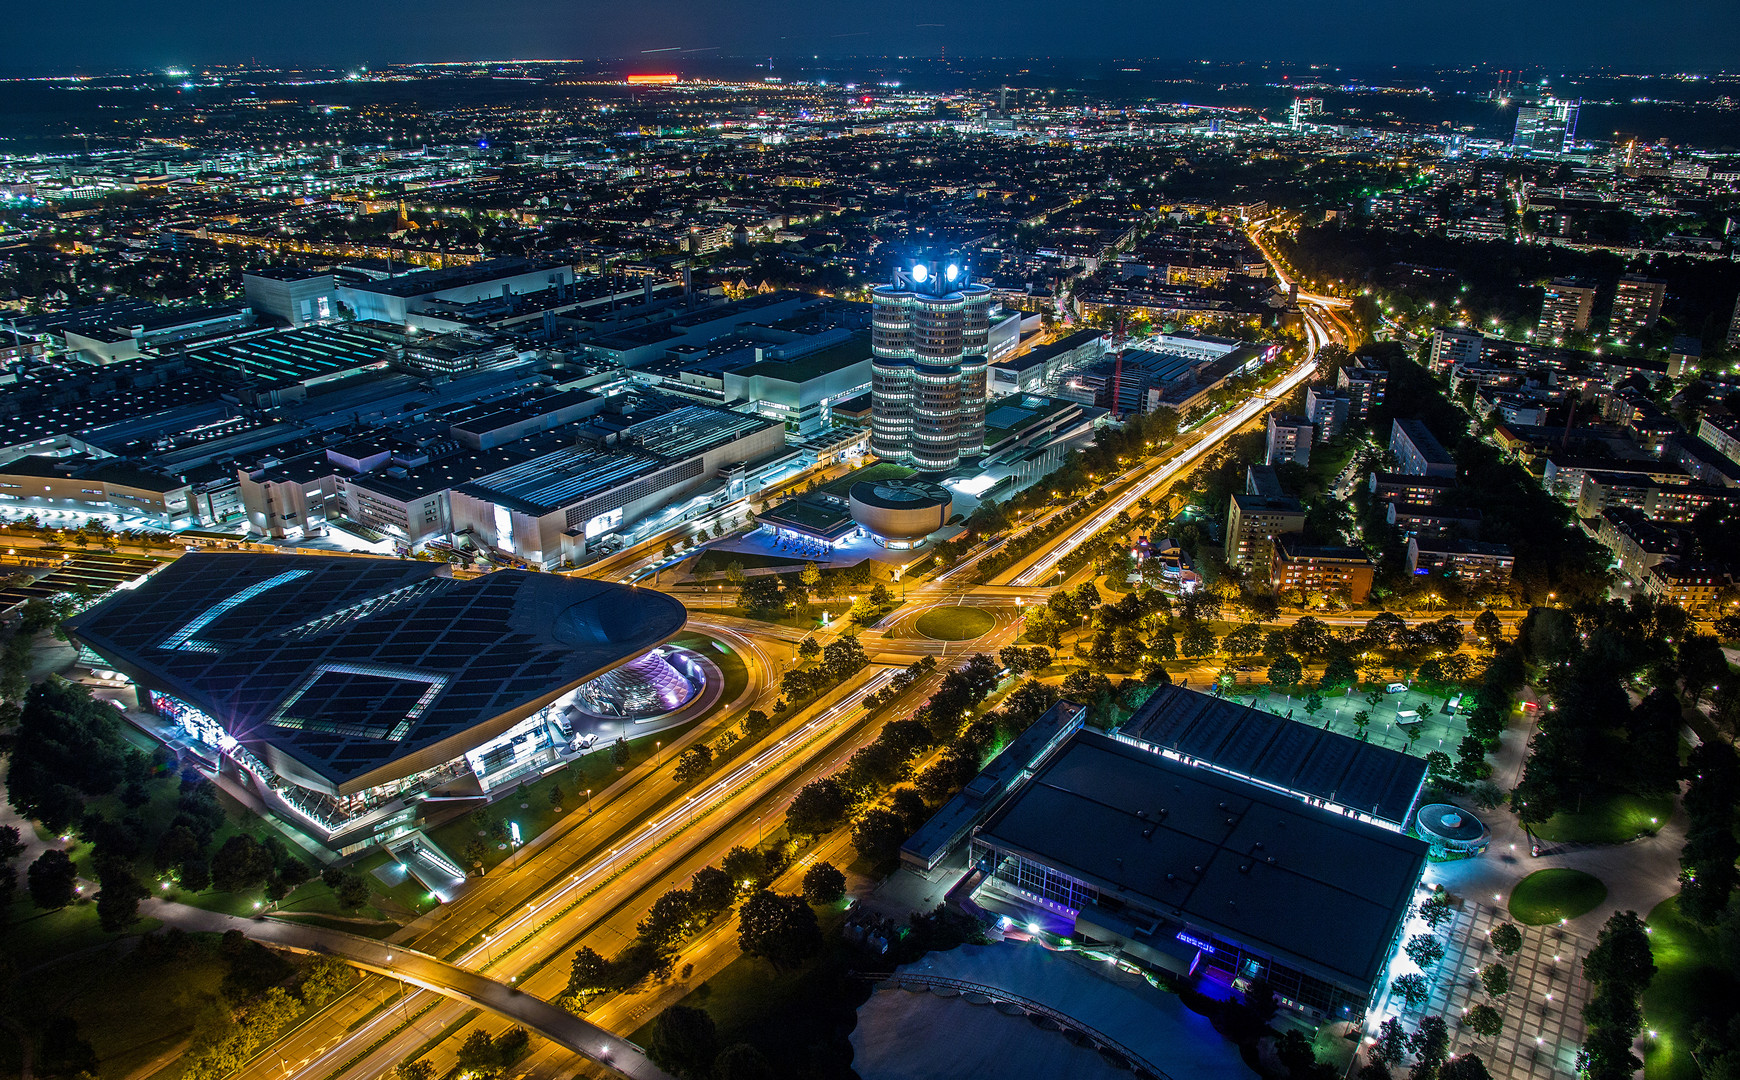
420,969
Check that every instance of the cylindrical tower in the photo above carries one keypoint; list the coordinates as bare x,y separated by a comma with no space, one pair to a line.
929,334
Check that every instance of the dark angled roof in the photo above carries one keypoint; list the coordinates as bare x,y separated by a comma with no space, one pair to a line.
359,671
1316,890
1301,758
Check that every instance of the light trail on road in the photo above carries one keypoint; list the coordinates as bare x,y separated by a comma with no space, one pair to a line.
1234,420
499,947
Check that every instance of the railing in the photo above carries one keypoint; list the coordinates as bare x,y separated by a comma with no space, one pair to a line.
1135,1062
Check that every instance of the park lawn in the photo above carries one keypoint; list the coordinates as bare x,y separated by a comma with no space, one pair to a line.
34,936
1610,819
134,1022
781,1012
1546,896
955,623
813,621
1690,985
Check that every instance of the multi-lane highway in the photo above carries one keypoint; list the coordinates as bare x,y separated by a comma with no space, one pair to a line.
591,879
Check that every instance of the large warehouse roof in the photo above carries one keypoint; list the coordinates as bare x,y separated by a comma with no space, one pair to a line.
365,670
1303,759
1307,886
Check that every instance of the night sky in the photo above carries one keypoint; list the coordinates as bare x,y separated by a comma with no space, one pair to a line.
55,36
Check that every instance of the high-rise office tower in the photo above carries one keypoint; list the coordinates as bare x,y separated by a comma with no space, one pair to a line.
1733,341
1302,110
1565,307
1636,306
1547,127
928,340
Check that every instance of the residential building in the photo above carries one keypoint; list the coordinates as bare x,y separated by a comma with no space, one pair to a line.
1454,346
1289,439
1366,383
1636,306
1472,563
1418,452
1565,309
1339,571
1252,524
1327,410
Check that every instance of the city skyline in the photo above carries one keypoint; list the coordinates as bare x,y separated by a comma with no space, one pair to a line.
108,35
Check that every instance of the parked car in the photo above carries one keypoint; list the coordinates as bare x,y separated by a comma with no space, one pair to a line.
1396,688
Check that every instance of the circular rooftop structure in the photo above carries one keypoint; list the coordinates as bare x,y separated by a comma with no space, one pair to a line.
900,513
654,684
1450,827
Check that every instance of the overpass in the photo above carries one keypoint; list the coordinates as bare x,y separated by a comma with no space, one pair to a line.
558,1025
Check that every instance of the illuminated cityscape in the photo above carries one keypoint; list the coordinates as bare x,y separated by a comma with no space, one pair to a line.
756,544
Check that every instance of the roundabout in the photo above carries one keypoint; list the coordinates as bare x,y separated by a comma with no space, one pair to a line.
955,623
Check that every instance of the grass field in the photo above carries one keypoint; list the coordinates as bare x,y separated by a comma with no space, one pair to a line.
782,1012
813,621
1689,985
882,470
1546,896
1612,819
955,623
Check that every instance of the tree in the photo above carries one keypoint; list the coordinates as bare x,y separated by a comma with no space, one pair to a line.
1496,979
1413,988
1424,950
762,594
667,919
1285,672
415,1070
819,806
1430,1042
1619,968
1198,640
324,979
588,973
1391,1044
51,880
878,834
824,884
809,648
694,763
478,1055
746,867
118,901
1506,938
781,929
1245,640
1313,703
1484,1020
741,1061
711,891
1468,1066
619,752
684,1042
1435,910
242,863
